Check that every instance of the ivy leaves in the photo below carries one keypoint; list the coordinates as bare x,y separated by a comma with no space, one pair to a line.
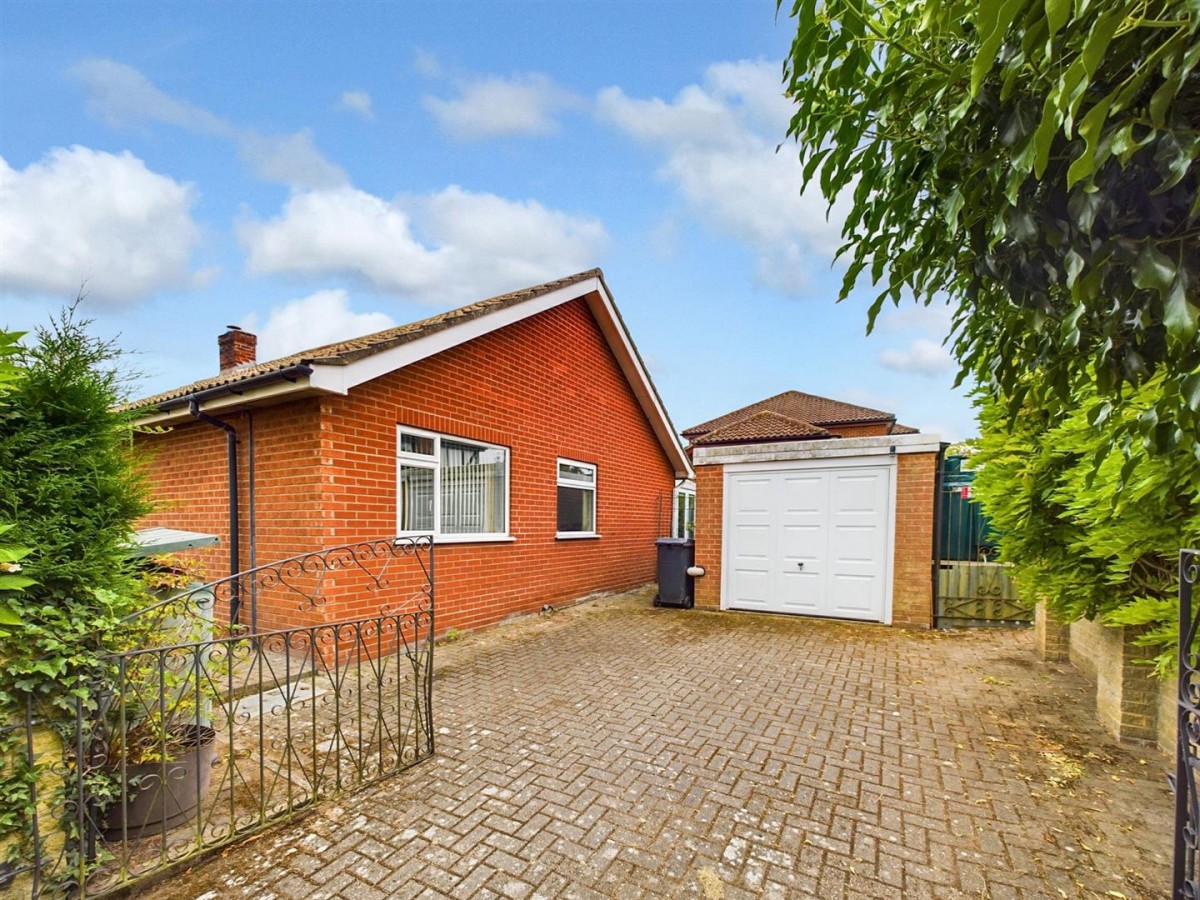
1038,161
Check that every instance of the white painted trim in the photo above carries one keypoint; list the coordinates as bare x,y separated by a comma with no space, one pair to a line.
874,462
378,364
576,536
605,312
434,463
844,462
339,379
559,481
687,489
473,539
835,448
217,404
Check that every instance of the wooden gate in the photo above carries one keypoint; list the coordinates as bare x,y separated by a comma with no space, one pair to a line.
972,589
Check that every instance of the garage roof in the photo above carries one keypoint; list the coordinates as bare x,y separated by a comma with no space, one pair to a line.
764,425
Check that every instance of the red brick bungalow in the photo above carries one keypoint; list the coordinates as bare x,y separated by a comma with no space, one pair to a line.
812,506
522,431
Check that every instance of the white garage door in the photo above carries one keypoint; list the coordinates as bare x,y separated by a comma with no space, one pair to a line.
809,540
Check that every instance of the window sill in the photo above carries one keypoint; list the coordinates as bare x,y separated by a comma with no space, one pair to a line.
467,538
573,536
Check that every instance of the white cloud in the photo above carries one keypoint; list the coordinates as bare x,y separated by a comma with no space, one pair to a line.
359,103
501,107
718,141
123,97
84,215
934,320
290,159
921,357
320,318
470,244
426,64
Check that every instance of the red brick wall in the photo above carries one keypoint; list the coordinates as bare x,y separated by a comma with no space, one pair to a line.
855,431
912,573
188,469
326,471
710,512
545,387
912,589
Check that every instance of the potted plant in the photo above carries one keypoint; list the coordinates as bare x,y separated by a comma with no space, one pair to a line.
155,736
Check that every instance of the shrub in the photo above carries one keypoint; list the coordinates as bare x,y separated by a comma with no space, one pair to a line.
1093,529
72,492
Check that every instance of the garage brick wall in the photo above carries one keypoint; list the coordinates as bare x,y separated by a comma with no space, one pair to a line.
710,513
912,578
912,587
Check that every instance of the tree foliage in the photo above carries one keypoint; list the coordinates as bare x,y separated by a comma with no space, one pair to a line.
70,493
1092,543
1036,160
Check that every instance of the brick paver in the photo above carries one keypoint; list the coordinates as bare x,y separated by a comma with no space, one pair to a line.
616,750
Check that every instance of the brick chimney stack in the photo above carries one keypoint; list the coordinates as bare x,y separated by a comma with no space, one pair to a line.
238,348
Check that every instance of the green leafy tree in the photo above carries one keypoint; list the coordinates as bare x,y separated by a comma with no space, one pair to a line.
1095,544
11,555
71,491
1036,161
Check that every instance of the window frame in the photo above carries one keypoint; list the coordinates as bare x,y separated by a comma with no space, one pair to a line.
559,481
676,530
434,462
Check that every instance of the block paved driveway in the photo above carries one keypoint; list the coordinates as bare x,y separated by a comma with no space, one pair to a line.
616,750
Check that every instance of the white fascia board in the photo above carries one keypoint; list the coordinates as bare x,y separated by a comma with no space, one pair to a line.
783,451
605,313
603,310
378,364
340,379
254,397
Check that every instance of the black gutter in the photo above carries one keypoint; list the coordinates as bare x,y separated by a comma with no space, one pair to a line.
193,403
237,388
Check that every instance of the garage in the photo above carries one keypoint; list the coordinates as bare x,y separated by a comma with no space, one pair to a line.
814,507
812,539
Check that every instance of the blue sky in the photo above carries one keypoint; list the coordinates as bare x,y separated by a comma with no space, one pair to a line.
311,171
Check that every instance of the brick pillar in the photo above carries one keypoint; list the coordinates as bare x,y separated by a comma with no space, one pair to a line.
1052,636
1139,689
238,348
710,516
912,573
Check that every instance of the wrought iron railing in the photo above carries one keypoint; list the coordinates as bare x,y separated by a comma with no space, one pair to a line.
189,744
1186,880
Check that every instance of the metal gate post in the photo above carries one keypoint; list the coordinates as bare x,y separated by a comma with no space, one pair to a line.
1187,811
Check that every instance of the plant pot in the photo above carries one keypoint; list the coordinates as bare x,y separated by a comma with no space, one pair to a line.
150,805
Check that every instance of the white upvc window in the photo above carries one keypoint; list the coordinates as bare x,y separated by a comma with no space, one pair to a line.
576,499
452,488
683,519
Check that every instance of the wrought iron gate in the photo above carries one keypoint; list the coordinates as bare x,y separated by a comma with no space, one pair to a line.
1186,881
210,733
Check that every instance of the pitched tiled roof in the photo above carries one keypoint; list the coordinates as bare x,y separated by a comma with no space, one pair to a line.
763,425
903,429
799,406
345,352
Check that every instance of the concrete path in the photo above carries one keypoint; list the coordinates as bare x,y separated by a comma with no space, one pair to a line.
616,750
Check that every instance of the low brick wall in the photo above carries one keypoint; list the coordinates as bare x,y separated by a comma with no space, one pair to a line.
1131,703
1168,714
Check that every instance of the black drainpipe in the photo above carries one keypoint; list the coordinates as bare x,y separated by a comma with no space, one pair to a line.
234,549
